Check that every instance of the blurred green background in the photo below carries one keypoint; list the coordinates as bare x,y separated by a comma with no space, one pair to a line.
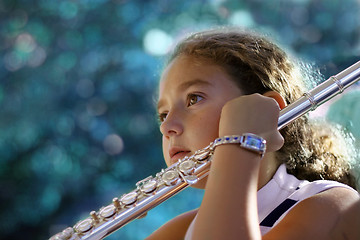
78,82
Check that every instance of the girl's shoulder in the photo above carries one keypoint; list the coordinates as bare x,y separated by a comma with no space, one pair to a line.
322,216
176,227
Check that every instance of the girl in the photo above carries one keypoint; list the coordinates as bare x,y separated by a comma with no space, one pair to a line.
228,82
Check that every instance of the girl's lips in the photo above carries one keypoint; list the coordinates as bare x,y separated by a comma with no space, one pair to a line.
177,153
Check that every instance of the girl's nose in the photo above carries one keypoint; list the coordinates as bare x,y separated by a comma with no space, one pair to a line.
172,125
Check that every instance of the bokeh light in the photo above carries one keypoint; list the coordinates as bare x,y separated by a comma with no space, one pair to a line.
157,42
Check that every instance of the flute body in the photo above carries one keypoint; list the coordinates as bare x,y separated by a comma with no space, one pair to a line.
152,191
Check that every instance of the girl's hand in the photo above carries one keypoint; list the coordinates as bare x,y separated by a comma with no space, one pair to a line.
255,114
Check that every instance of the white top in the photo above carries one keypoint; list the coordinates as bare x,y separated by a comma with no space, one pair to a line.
280,195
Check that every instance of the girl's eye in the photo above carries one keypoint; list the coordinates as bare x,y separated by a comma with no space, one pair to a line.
162,117
193,99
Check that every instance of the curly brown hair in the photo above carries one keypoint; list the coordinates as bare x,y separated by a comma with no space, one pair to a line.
257,65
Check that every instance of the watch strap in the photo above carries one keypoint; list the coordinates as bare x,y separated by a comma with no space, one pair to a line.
247,141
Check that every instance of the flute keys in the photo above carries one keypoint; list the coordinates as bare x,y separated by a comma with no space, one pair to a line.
84,225
116,203
64,235
108,211
170,177
129,198
191,179
149,186
201,155
187,167
68,232
94,216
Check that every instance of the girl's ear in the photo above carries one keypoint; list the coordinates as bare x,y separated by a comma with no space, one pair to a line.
278,98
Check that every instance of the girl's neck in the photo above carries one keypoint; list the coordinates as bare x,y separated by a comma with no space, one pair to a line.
268,168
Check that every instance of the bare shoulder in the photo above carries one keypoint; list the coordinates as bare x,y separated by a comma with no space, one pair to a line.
322,216
176,227
347,225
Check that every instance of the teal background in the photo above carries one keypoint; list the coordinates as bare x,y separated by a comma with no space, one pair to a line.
78,82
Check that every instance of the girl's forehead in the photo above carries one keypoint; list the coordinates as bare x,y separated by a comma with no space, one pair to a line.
185,72
184,66
188,60
182,69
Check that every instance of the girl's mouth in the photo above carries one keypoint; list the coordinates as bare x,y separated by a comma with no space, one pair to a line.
176,154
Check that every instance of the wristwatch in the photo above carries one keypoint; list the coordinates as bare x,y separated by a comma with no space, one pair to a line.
248,141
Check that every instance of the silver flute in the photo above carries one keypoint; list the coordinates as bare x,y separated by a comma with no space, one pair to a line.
152,191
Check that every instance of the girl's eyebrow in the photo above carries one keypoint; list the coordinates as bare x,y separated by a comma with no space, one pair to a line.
186,85
193,82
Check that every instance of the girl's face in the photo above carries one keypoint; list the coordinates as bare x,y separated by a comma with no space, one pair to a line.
191,96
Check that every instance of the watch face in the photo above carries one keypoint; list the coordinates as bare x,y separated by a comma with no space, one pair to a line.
254,142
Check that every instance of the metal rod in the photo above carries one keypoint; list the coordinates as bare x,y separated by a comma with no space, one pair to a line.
320,94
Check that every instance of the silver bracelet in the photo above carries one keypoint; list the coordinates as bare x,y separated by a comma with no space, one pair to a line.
248,141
